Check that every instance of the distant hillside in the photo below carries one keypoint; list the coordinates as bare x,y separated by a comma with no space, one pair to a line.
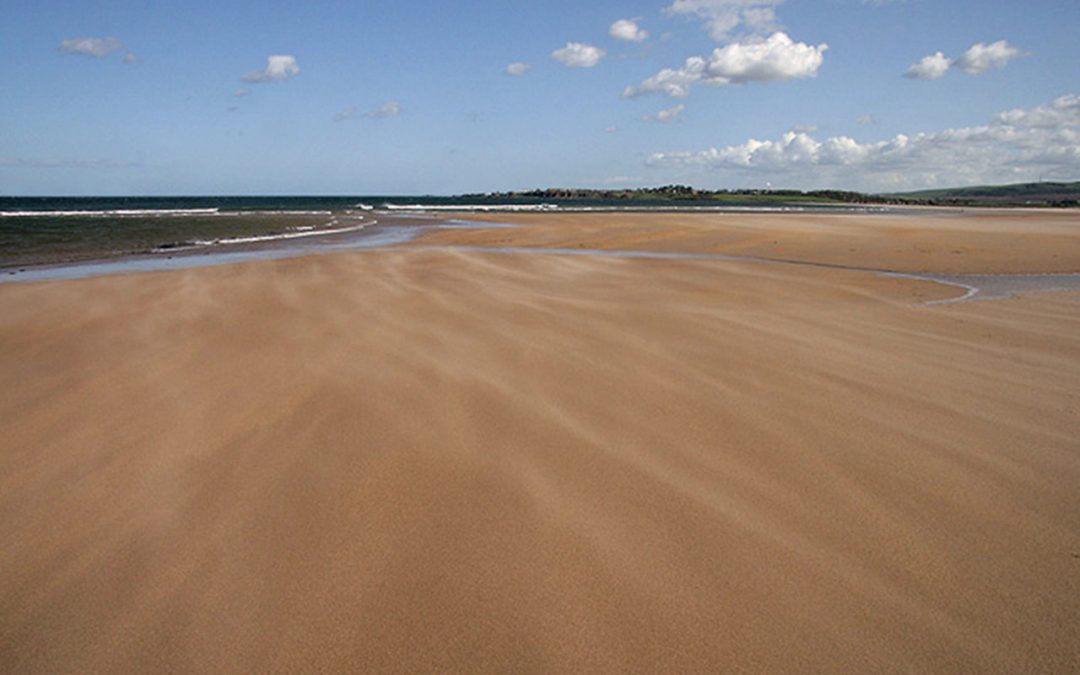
1019,194
1023,194
668,194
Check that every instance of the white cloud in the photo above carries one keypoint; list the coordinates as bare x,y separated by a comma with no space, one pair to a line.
242,92
95,47
517,68
866,120
611,130
777,58
982,57
1016,145
722,17
388,109
346,114
978,59
628,30
929,67
755,59
278,67
1063,112
578,55
671,81
131,59
666,115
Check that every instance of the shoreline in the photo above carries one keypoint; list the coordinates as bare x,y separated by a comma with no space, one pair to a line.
420,229
399,212
371,234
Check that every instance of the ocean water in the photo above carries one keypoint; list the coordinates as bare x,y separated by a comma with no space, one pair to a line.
37,231
59,230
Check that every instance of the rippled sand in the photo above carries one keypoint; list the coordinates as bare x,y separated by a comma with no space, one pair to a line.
458,460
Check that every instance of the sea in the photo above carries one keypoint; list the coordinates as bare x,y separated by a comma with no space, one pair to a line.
57,231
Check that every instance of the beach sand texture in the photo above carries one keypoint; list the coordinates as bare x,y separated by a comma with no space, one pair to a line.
440,460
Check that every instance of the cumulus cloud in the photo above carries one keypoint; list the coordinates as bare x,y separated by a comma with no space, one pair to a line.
929,67
978,59
578,55
95,47
771,59
628,30
722,17
278,67
1016,145
982,57
517,68
866,120
666,115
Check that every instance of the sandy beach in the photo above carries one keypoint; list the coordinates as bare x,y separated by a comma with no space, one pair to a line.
430,459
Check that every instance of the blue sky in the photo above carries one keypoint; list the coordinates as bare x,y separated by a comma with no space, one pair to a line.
416,97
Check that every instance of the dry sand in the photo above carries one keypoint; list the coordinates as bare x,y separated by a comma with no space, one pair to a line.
431,460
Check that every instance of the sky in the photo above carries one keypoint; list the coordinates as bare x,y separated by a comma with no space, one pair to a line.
433,97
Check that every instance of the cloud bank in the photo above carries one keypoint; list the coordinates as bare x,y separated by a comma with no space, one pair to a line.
578,55
1016,145
771,59
279,67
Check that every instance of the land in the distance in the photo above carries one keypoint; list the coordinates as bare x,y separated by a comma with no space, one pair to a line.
1022,194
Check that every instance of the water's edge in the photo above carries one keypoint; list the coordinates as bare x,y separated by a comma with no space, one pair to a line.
389,230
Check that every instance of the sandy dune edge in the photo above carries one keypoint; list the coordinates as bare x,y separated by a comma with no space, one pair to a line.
420,460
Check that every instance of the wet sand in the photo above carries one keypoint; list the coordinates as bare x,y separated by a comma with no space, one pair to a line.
422,459
985,241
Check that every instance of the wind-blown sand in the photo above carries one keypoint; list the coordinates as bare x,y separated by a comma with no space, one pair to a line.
1002,241
429,460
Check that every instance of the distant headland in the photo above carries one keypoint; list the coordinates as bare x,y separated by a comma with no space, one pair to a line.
1041,194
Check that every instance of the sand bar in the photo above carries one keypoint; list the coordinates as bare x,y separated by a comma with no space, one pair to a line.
424,459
